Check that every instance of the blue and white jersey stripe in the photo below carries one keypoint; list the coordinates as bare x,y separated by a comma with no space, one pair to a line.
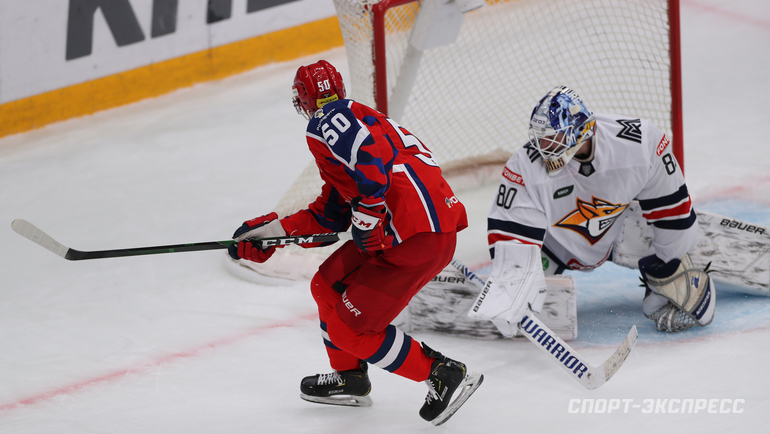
422,192
325,336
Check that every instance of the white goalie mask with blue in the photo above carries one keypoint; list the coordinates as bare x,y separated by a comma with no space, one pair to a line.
559,126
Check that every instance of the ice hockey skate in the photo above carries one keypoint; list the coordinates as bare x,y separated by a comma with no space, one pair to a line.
349,388
447,376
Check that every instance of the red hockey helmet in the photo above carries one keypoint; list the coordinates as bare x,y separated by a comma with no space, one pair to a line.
316,85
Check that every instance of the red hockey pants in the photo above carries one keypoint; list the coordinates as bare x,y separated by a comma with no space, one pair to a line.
360,294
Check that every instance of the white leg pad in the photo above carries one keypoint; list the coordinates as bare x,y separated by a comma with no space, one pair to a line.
442,307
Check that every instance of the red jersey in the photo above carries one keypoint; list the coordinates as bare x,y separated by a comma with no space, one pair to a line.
360,152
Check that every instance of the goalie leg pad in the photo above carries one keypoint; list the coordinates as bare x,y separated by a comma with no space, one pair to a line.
678,296
441,307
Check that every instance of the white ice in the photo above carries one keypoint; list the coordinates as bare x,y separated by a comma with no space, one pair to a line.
176,344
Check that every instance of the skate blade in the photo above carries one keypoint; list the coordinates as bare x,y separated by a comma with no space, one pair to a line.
470,383
344,400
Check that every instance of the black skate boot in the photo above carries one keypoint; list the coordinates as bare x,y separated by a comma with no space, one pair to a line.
338,388
446,377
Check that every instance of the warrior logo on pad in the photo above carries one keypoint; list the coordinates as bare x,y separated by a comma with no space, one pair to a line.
592,219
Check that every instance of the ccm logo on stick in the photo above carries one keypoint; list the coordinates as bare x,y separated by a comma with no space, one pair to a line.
287,241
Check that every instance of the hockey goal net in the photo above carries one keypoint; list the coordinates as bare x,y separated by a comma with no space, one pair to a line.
465,83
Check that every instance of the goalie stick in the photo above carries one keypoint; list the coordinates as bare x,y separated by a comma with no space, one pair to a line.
37,236
576,365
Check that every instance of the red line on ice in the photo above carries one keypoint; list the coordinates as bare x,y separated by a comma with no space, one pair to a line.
745,187
746,19
192,352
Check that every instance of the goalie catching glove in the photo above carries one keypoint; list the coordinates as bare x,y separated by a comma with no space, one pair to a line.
261,227
368,224
678,295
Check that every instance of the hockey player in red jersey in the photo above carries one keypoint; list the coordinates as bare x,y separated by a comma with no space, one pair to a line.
567,191
381,180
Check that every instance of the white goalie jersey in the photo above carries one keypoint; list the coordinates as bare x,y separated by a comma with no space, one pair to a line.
577,216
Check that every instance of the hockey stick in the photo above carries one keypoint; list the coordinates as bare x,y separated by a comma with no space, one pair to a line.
32,233
576,365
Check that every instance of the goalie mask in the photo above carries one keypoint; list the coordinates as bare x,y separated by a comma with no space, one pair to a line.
316,85
559,125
